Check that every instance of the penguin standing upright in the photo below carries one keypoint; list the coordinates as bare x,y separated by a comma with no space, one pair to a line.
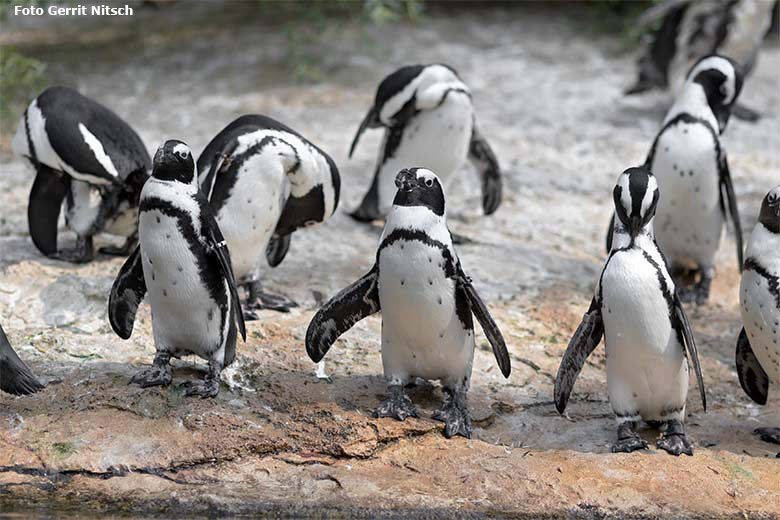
758,346
264,181
687,31
429,120
183,266
689,161
85,155
15,377
645,329
426,301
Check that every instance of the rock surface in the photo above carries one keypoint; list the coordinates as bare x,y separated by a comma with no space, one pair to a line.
277,439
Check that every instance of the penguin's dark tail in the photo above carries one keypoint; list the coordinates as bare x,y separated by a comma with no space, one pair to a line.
15,377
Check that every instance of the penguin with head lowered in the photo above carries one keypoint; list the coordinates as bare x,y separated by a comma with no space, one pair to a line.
15,377
687,30
429,120
646,332
758,346
426,301
182,266
86,156
689,161
264,181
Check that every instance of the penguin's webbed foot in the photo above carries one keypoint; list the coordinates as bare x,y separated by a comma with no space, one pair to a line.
768,434
204,388
81,254
156,375
259,300
699,293
461,240
398,405
628,439
674,440
455,415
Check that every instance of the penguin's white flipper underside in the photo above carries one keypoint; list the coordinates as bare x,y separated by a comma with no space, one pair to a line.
15,377
584,341
690,344
728,202
752,376
126,294
340,313
43,211
484,160
489,326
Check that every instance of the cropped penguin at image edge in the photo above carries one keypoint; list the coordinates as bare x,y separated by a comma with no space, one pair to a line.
429,120
427,303
182,266
15,377
90,159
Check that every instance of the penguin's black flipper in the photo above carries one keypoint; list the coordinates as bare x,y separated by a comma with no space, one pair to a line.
43,211
484,160
489,326
15,377
584,341
690,345
728,202
277,249
752,376
340,313
218,247
126,294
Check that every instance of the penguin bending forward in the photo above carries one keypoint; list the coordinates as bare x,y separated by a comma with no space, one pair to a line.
183,266
758,346
687,31
428,117
689,161
15,377
88,157
426,301
645,329
264,181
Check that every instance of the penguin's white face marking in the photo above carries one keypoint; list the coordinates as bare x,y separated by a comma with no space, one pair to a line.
721,82
636,197
419,187
173,162
770,211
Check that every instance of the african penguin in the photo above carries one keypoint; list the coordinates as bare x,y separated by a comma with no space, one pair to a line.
86,156
687,30
758,346
15,377
688,159
645,329
183,266
426,301
428,117
264,181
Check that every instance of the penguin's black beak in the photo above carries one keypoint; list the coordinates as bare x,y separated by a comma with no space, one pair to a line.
370,121
722,116
406,180
635,226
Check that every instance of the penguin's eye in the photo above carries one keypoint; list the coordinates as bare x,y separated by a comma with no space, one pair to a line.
184,154
429,182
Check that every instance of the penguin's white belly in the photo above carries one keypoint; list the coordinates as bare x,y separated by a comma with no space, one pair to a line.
689,220
421,333
646,368
82,208
250,214
185,319
435,139
761,317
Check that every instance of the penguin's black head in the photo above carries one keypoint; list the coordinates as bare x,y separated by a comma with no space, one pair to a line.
419,187
721,80
173,162
636,197
770,211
